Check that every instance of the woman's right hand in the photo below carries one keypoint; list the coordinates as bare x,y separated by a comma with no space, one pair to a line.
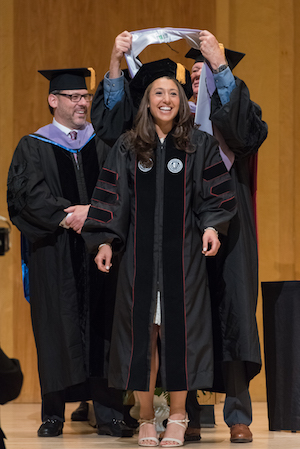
103,258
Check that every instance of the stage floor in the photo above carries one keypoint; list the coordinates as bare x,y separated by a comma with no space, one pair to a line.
21,421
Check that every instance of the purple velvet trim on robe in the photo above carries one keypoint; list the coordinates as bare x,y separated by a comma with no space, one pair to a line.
53,133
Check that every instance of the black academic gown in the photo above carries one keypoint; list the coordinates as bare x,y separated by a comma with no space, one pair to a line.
109,124
70,304
234,271
236,266
157,216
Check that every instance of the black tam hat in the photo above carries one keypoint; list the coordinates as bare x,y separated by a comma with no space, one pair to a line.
68,79
233,57
151,71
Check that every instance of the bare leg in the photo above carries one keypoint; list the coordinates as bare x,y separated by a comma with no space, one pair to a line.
177,412
146,397
177,402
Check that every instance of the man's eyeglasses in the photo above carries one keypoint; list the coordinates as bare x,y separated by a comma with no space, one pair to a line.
75,98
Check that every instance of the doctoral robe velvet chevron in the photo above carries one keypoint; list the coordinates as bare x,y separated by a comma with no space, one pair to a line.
157,217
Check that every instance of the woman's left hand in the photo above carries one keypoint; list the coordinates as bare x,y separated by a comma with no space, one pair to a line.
103,258
211,243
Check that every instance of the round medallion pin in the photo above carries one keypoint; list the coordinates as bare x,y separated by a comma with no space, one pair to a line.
143,168
175,165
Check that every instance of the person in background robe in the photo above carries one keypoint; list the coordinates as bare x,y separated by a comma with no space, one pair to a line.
50,182
233,273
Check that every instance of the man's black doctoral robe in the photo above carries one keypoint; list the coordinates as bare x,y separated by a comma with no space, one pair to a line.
234,300
157,215
236,266
71,301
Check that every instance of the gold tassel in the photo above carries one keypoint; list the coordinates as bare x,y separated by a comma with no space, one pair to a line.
93,78
180,73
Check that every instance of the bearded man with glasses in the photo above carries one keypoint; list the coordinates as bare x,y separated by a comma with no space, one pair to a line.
50,183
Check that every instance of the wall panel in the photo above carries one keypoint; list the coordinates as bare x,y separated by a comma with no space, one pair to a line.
269,35
6,143
294,233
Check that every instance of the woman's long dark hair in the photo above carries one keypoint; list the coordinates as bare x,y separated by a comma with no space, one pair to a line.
142,137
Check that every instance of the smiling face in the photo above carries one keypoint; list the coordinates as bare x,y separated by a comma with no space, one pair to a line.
164,104
70,114
195,77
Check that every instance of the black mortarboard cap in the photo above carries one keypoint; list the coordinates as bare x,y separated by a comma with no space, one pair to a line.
67,79
195,54
233,57
151,71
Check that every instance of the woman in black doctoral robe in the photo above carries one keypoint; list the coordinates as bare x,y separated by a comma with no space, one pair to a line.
162,187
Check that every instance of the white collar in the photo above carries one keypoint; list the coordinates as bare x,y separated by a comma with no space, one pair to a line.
63,128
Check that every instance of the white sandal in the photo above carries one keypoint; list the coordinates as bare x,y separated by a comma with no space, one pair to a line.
145,440
181,422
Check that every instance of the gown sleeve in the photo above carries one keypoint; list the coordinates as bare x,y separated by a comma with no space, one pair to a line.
109,124
32,206
214,196
239,121
109,215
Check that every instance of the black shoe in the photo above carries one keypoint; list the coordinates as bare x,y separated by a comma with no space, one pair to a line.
51,428
115,428
128,419
81,413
